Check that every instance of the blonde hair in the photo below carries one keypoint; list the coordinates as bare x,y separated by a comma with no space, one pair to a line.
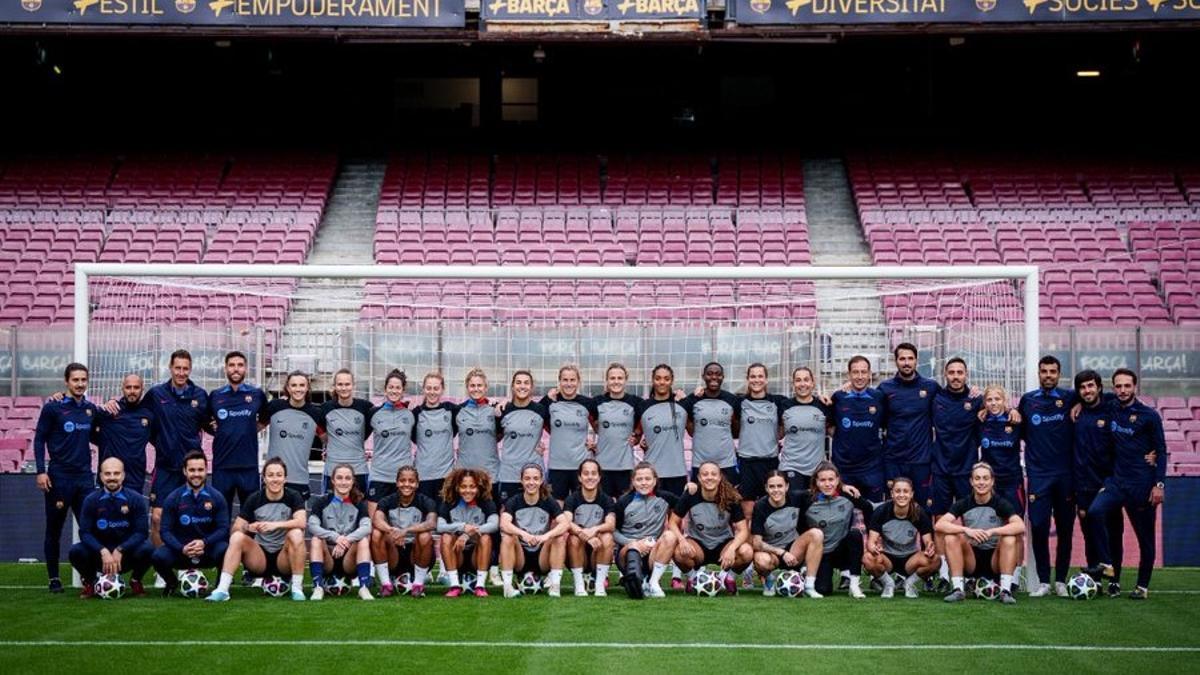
473,373
573,368
998,389
435,374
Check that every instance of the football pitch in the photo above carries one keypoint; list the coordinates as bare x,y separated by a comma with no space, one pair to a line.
41,633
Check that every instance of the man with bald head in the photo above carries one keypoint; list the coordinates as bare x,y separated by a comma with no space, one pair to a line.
113,529
125,432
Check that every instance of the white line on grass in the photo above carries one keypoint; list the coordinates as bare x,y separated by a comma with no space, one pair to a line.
43,587
458,644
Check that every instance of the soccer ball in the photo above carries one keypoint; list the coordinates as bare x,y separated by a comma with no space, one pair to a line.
1082,587
468,580
706,583
530,584
403,584
192,583
986,589
109,587
336,585
589,582
789,584
276,587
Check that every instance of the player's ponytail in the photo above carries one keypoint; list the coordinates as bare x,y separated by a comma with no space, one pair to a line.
914,509
670,395
396,374
727,495
356,494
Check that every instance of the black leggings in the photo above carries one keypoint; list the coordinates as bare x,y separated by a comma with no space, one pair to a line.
847,556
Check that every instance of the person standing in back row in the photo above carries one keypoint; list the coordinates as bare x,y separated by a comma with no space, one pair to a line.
233,411
347,425
908,447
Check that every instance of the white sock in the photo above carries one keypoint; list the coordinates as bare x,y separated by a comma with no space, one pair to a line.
944,572
856,581
494,569
1006,582
555,577
691,575
656,575
420,575
810,582
481,578
1018,574
577,576
601,573
675,574
957,582
506,578
224,583
297,582
886,579
912,579
748,573
845,574
452,576
384,574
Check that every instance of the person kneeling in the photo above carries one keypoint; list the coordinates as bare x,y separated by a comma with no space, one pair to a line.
113,531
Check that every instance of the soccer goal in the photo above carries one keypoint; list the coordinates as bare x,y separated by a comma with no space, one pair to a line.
372,318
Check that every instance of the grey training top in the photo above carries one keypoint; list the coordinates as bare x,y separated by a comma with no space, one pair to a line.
292,431
833,517
478,444
639,517
804,428
707,523
664,436
712,428
569,426
615,418
433,435
995,513
346,429
522,429
329,517
481,513
392,427
259,508
758,430
402,517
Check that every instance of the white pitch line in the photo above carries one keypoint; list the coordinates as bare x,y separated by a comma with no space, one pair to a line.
43,587
458,644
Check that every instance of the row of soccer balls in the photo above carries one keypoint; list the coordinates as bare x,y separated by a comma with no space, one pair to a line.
788,584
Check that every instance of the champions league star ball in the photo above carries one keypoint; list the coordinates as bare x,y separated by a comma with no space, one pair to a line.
530,584
706,583
468,580
1081,587
192,583
403,584
986,589
589,583
109,587
789,584
276,587
336,585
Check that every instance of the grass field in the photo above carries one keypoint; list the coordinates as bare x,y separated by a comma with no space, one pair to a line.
748,633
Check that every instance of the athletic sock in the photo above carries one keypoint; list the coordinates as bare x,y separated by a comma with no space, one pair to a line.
691,575
810,582
555,577
957,582
944,571
297,582
1006,581
384,574
506,578
656,575
577,576
481,578
889,583
318,572
452,576
364,574
601,573
856,581
224,583
420,575
675,573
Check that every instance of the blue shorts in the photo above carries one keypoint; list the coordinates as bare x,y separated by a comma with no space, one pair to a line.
869,483
236,482
165,482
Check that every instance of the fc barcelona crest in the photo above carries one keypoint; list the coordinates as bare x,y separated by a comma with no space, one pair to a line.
1133,418
872,410
195,403
1058,403
924,393
966,405
1100,423
249,398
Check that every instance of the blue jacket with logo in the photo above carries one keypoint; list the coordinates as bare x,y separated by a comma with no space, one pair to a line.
64,429
179,418
909,419
858,424
1048,432
234,415
189,515
109,520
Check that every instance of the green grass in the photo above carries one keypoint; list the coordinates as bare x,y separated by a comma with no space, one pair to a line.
30,614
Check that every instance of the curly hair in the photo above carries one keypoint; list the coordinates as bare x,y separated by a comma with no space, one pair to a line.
482,481
727,495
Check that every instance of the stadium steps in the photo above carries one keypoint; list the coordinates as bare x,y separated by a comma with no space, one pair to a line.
854,325
317,337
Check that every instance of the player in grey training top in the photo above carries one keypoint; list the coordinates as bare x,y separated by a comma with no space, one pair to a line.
713,423
900,541
433,435
467,519
571,419
531,529
645,533
777,538
615,412
986,541
661,423
392,427
521,427
403,536
805,420
341,534
832,511
293,423
268,535
478,428
347,425
717,532
592,522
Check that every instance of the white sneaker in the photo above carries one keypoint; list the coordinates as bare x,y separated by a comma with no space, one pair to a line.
1041,591
159,582
655,591
910,588
580,592
601,592
1060,589
856,592
354,582
365,593
494,578
318,594
887,592
812,593
554,590
510,592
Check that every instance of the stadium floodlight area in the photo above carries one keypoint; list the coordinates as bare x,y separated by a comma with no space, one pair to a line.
130,317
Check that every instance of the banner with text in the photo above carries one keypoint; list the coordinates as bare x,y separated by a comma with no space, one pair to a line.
234,13
809,12
558,11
